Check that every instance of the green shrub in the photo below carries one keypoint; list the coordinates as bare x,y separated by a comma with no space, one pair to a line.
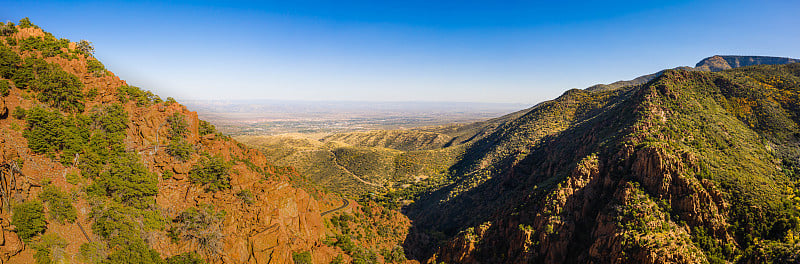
302,257
50,249
126,93
8,29
127,181
5,88
49,132
18,113
44,131
246,196
9,61
11,41
170,101
28,218
396,254
85,47
48,45
179,148
26,23
93,252
92,93
56,87
206,128
186,258
74,178
211,172
59,89
95,67
59,204
136,252
178,127
200,224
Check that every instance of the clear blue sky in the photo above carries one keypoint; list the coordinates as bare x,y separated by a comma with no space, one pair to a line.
476,51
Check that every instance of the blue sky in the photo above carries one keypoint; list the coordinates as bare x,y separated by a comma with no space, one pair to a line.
469,51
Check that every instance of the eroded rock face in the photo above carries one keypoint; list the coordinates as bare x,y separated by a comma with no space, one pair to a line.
10,244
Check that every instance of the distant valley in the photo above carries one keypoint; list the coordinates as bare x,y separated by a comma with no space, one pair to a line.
271,117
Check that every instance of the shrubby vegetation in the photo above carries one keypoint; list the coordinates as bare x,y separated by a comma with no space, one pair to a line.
48,45
302,257
9,62
211,172
206,128
7,29
200,224
93,252
85,141
122,227
49,249
178,129
56,87
59,204
135,252
5,88
95,67
186,258
246,196
127,93
26,23
127,181
29,220
85,47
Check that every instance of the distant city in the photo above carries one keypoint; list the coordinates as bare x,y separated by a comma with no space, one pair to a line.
270,117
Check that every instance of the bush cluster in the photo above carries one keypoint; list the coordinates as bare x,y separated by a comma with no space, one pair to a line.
178,129
49,249
127,181
88,141
5,88
211,172
7,29
95,67
302,257
186,258
206,128
59,204
29,220
127,93
56,87
48,45
200,224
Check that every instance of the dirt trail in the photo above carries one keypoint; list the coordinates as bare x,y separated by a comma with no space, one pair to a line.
336,161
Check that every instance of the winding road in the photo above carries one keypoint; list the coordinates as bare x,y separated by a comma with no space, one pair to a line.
346,203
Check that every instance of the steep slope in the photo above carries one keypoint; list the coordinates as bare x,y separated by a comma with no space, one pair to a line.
94,170
690,167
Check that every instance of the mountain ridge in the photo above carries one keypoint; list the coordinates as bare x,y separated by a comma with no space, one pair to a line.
713,63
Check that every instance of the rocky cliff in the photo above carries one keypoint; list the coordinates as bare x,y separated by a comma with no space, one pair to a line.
95,170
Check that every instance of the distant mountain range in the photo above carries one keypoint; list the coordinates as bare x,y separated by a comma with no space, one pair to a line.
713,64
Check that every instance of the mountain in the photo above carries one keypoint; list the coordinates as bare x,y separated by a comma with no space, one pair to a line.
94,170
691,166
713,63
719,63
